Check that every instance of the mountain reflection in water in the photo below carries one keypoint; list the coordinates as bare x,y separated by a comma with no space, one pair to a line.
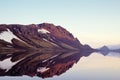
45,64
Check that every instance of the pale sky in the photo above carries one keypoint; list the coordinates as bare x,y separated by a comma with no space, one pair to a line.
93,22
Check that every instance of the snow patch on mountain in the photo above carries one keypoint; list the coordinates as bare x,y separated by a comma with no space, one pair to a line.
7,64
8,36
42,69
43,31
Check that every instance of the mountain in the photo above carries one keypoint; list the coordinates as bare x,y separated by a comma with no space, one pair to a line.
35,37
114,46
116,50
106,50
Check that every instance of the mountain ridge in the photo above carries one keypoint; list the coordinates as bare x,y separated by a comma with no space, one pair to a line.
31,35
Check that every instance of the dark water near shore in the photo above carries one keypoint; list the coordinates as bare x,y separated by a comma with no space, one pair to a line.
96,66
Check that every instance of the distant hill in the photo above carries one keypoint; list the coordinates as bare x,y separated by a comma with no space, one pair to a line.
116,50
114,46
106,50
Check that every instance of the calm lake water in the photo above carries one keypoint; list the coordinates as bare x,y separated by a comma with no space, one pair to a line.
96,66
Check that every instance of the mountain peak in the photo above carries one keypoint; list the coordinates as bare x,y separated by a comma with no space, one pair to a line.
104,48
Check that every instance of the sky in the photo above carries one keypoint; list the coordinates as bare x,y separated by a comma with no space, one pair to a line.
93,22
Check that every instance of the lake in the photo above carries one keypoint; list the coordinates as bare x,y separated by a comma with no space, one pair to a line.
90,66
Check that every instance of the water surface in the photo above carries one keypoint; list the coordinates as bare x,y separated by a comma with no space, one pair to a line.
91,66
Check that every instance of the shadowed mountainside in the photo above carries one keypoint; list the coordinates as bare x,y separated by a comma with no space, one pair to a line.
36,37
